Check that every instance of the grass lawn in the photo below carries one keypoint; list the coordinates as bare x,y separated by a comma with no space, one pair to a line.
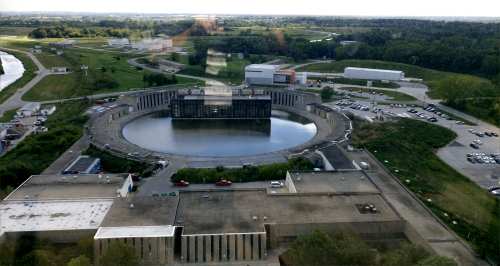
28,75
8,115
408,146
107,72
429,76
38,151
395,95
16,31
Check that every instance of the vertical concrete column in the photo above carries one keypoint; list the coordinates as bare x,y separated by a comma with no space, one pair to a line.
232,247
155,248
97,254
208,248
192,250
223,248
255,247
216,248
184,249
170,250
201,248
162,250
248,247
241,248
263,246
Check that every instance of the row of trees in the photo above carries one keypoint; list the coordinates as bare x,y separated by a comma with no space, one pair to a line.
70,32
275,171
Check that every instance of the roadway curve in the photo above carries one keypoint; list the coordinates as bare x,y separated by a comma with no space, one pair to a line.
16,101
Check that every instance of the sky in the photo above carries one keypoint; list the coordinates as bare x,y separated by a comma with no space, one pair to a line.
472,8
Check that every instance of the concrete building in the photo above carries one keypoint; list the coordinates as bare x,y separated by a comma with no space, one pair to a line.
153,45
84,164
118,42
262,74
373,74
60,208
29,109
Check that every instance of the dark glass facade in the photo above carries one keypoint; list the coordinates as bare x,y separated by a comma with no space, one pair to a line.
203,107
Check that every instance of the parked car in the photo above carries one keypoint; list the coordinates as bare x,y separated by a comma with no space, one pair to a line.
474,146
223,183
181,183
495,192
276,184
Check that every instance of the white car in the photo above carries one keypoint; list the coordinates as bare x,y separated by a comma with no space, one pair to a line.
276,184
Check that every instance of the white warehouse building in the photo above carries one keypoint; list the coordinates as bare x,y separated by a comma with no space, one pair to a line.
263,74
373,74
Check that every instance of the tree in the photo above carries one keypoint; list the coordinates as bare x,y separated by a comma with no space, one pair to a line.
80,261
436,261
327,93
119,254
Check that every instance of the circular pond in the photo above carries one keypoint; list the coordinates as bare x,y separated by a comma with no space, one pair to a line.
219,137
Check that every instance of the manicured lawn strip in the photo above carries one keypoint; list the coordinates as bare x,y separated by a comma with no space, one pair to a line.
28,75
407,149
429,76
275,171
38,151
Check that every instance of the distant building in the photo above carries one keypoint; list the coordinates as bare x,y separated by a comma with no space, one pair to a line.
59,69
153,45
373,74
225,104
263,74
63,44
118,42
84,164
29,109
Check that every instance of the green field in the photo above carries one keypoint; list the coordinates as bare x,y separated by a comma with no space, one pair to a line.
395,95
8,115
15,31
107,72
407,149
429,76
28,75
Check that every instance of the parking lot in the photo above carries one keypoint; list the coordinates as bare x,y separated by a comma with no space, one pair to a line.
475,152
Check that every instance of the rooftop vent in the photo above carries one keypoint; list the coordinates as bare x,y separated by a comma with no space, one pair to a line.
255,218
131,206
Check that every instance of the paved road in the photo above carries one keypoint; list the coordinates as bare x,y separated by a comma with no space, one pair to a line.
15,101
208,81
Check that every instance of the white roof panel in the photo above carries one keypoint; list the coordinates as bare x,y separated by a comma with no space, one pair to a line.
34,216
135,231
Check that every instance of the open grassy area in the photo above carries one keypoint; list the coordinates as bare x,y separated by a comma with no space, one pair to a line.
407,149
107,72
429,76
8,115
38,151
28,75
15,31
395,95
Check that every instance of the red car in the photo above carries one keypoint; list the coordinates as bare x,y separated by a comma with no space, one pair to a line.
223,183
181,183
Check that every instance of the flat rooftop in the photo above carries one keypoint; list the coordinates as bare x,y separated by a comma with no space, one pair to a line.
337,182
248,211
142,211
51,187
134,231
17,216
262,66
